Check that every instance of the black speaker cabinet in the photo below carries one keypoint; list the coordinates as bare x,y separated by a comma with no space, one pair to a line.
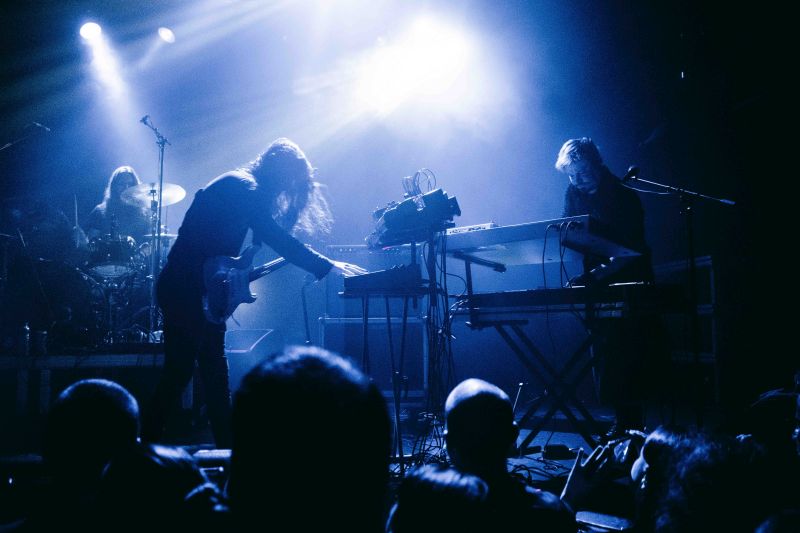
346,337
372,260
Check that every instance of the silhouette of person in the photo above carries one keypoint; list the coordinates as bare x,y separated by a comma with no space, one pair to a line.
631,350
115,218
154,487
298,411
90,422
436,499
273,195
479,431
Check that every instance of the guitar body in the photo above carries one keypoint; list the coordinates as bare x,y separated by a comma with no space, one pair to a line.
227,282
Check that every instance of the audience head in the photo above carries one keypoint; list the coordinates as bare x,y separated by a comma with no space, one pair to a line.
435,499
479,426
655,454
714,486
771,421
90,421
311,443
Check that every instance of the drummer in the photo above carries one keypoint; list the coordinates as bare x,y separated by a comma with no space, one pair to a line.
114,217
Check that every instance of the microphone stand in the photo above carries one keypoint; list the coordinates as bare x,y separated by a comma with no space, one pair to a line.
687,199
155,206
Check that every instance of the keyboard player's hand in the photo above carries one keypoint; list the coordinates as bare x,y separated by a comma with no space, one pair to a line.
347,269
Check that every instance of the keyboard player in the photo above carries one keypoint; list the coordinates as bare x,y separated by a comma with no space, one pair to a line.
594,190
631,350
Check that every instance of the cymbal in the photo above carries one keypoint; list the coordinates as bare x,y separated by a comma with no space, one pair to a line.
163,236
143,193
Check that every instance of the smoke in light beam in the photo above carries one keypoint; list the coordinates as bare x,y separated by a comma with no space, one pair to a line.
104,62
424,64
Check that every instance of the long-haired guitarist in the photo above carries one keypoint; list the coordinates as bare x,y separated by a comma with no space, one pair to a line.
273,195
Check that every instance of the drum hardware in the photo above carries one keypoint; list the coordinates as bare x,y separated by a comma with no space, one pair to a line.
71,315
145,249
70,303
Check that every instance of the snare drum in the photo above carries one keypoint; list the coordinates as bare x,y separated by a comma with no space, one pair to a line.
112,257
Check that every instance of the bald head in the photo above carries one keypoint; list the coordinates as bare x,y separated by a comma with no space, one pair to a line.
472,388
480,424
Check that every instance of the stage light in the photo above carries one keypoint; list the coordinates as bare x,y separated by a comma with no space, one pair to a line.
114,99
425,62
91,31
166,35
104,61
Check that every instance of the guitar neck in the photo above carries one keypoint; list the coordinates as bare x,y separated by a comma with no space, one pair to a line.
266,268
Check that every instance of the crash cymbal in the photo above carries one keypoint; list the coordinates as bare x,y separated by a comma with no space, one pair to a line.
143,193
163,236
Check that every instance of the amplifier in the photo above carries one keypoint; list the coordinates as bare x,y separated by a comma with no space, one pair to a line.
371,260
346,337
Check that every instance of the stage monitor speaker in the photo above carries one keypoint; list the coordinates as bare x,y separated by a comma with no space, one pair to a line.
346,337
246,348
372,260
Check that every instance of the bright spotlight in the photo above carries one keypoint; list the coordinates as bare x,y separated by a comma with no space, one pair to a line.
426,62
166,35
440,52
104,61
91,31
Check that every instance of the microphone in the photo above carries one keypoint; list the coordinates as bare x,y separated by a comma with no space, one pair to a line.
144,119
632,172
38,125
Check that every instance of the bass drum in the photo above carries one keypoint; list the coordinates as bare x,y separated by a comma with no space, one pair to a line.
67,303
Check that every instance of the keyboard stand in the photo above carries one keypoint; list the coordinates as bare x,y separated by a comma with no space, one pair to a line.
397,370
559,384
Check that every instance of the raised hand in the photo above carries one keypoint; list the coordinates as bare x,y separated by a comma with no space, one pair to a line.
586,475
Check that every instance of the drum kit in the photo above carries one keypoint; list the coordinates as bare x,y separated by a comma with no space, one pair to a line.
101,296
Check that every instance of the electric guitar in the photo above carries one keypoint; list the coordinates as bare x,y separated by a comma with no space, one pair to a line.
227,281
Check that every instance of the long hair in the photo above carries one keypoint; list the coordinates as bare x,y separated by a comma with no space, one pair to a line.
285,175
122,178
120,175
